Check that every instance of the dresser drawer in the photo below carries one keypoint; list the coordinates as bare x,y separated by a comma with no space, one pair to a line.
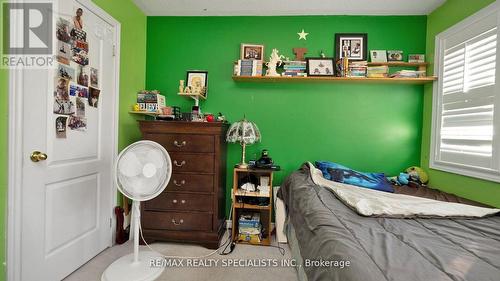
188,162
184,142
177,221
191,182
181,202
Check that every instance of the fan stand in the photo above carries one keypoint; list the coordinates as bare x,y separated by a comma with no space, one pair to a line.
138,265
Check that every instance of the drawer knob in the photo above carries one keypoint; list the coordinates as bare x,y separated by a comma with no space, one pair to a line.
181,221
181,144
183,182
183,201
179,165
174,201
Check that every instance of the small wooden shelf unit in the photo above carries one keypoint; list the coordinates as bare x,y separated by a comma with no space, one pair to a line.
238,207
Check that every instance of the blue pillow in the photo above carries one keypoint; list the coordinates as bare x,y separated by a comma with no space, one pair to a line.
339,173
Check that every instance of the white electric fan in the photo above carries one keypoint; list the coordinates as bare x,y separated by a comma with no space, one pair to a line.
142,171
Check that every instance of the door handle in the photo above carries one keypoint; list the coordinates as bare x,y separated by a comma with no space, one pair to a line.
179,165
38,156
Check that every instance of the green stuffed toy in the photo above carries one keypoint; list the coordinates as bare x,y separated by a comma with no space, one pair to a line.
418,175
411,176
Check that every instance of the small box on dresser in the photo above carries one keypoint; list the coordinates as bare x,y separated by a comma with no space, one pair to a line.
191,209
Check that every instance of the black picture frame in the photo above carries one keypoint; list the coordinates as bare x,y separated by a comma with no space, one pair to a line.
311,70
199,73
351,39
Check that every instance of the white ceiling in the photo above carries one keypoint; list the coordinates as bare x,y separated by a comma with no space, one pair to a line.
286,7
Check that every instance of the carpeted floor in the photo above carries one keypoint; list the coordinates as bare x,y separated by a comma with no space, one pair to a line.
247,254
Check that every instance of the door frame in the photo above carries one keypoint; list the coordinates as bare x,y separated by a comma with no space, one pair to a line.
15,153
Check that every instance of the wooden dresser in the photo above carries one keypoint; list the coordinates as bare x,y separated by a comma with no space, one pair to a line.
191,209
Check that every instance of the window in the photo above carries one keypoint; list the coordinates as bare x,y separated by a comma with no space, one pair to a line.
466,105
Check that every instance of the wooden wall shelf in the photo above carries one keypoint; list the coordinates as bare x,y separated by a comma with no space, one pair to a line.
263,79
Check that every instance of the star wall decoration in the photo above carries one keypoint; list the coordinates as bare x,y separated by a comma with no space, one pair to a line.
302,35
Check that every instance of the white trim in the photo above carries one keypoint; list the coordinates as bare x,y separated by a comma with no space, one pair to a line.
464,170
13,262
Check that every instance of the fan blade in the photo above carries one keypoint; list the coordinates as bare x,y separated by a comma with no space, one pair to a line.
156,157
129,165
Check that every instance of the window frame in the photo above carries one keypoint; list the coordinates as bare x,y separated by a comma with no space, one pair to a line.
437,95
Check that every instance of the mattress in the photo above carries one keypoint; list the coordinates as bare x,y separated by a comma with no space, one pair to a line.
335,243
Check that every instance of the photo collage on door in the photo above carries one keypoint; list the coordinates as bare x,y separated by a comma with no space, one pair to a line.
76,82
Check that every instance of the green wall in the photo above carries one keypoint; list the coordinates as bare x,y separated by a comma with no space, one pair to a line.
371,127
132,78
487,192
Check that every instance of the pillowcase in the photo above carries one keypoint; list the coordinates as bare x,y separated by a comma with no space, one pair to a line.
339,173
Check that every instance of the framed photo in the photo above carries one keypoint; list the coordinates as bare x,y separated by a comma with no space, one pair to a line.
395,55
353,45
416,58
252,52
378,56
320,67
197,81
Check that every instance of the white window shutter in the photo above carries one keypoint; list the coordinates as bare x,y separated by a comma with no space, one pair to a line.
467,98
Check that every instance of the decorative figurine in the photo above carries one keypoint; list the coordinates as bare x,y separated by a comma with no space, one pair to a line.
299,53
274,61
322,54
181,86
220,117
137,107
187,90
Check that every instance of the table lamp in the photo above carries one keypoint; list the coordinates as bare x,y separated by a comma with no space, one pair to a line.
244,132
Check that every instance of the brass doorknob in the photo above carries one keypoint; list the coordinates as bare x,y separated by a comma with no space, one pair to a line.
38,156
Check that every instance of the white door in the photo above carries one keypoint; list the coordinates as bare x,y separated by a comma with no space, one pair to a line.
67,199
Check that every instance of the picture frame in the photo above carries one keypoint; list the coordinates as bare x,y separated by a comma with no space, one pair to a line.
395,55
197,81
416,58
251,52
320,66
355,44
378,55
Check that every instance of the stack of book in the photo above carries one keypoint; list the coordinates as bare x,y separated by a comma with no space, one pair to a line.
250,228
408,74
294,68
248,68
377,71
150,101
357,69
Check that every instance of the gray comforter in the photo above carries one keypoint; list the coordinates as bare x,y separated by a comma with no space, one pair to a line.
330,234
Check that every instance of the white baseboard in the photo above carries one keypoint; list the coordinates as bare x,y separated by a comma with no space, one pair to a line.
229,224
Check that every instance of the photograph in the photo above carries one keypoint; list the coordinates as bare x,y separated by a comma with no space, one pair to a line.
66,72
94,77
80,107
82,76
78,19
252,52
61,127
63,52
378,56
395,55
78,35
61,88
320,67
77,123
351,45
66,107
80,52
416,58
197,81
78,91
62,30
93,97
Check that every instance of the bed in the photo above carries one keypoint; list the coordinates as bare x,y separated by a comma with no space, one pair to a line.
331,241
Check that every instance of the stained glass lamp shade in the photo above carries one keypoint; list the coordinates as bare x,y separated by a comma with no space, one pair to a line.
244,132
